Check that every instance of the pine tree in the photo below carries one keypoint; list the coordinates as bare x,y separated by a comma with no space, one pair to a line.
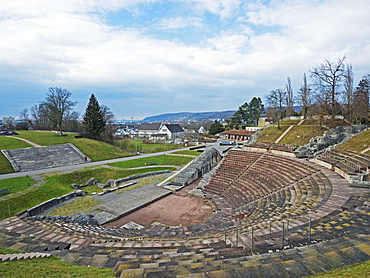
94,117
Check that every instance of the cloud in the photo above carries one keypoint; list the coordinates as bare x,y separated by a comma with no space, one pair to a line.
179,23
246,49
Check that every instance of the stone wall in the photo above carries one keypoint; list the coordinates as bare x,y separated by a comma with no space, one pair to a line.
197,168
330,139
53,202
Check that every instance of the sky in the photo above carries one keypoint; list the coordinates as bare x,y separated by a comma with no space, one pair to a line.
147,57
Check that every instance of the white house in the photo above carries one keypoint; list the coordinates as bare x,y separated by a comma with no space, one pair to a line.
171,131
157,131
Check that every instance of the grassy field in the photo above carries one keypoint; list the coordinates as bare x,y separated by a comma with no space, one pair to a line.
15,185
357,143
188,152
51,267
158,160
60,184
7,143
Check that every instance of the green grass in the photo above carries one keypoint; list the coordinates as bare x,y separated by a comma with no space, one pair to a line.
15,184
159,160
80,205
355,271
188,152
51,267
4,251
301,135
271,134
357,143
57,185
7,143
95,150
46,138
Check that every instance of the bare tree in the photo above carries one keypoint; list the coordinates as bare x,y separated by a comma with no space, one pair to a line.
289,98
109,124
24,116
305,97
328,77
39,113
275,101
59,106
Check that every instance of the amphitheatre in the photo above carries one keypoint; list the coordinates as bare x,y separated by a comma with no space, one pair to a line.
261,209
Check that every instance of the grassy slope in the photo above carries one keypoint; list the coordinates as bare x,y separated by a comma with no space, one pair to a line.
51,267
298,135
96,150
358,142
301,135
15,185
271,134
7,143
355,271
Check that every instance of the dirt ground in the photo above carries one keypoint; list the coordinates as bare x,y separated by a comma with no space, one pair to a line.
177,209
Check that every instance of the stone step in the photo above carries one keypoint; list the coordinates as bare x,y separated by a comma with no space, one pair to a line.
23,256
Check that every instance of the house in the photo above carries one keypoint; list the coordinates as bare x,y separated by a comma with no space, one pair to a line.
160,131
202,130
148,130
236,134
171,131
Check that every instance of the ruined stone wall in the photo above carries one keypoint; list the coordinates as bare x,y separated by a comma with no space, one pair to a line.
197,168
330,139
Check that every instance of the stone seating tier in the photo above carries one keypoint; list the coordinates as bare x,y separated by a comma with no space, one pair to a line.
30,159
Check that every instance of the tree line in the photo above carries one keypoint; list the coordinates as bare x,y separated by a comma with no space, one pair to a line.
57,113
330,93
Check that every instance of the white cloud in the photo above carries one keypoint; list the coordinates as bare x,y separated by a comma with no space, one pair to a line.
254,47
179,23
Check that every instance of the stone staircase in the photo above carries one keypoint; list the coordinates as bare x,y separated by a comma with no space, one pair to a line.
29,159
23,256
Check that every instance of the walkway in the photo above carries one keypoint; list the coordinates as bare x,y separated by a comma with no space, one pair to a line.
286,131
25,140
72,168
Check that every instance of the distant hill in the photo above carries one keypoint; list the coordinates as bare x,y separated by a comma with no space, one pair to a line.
189,116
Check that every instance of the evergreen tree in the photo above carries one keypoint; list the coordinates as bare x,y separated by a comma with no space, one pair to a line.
216,127
94,121
248,113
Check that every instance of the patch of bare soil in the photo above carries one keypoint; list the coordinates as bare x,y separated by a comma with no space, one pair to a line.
177,209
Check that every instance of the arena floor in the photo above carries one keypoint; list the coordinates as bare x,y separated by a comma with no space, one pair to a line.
178,209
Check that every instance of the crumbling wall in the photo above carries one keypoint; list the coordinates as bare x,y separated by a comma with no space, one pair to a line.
197,168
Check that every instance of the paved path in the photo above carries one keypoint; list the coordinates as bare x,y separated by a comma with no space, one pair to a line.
25,140
89,164
286,131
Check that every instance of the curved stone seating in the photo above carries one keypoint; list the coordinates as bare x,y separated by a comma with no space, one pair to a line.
349,161
284,190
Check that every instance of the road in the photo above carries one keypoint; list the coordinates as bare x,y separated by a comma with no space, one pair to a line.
75,167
